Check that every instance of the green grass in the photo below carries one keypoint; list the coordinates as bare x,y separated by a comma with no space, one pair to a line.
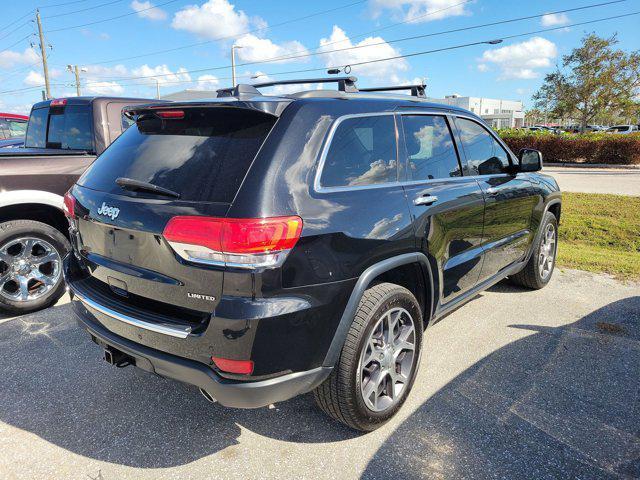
600,233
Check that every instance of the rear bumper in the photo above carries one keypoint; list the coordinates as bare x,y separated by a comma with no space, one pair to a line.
230,393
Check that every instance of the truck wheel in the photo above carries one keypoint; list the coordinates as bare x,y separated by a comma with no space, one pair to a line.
537,273
378,362
30,265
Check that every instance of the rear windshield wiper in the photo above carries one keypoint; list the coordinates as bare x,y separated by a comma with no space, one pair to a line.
137,185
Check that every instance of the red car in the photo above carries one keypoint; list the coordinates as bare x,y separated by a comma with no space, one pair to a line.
12,129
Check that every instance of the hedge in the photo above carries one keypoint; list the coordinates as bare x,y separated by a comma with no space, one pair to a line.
577,148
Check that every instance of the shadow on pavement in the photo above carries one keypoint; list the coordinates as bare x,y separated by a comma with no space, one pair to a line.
55,385
560,403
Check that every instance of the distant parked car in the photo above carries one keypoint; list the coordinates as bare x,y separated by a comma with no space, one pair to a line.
12,129
622,129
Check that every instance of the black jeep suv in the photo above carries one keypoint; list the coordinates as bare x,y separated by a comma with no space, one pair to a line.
260,247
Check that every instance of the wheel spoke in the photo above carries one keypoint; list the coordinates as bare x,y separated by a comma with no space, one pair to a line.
27,248
23,283
6,258
46,279
46,258
4,278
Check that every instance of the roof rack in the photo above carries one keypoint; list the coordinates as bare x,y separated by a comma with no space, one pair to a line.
345,84
416,90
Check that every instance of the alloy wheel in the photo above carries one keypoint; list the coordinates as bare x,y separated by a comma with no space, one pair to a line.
388,359
29,269
547,251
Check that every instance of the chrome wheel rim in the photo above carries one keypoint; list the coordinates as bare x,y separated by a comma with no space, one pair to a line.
29,269
547,254
387,361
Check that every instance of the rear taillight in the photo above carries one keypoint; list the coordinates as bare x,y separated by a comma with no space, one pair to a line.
234,242
69,205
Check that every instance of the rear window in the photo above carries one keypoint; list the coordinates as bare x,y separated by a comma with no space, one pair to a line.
203,156
68,128
37,129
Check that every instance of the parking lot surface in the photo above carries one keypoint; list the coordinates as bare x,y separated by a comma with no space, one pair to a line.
515,384
596,180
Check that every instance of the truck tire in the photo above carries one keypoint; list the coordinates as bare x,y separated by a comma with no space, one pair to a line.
538,270
377,365
31,256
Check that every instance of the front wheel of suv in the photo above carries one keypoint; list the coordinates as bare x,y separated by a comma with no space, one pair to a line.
378,362
538,270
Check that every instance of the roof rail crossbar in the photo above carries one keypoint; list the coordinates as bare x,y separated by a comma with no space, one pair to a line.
345,84
416,90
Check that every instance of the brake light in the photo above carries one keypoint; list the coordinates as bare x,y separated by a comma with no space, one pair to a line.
172,114
242,367
69,205
236,242
58,102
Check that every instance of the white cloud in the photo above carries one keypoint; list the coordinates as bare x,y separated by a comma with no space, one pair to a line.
208,82
101,87
34,79
521,60
256,49
164,74
418,11
373,48
483,67
147,10
213,19
9,58
554,19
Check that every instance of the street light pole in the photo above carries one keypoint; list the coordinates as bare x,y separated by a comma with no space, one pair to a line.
77,72
233,64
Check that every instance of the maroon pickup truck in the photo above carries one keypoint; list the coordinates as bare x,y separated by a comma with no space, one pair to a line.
63,137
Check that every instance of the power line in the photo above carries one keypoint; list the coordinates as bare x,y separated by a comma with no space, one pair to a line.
63,4
135,12
83,9
415,54
324,52
30,12
206,42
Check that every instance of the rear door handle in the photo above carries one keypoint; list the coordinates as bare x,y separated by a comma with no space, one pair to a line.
425,200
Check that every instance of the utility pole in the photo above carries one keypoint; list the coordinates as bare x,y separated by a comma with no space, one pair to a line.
43,52
157,89
76,71
233,64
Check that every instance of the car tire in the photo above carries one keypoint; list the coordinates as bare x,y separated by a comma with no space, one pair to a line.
533,275
45,242
343,395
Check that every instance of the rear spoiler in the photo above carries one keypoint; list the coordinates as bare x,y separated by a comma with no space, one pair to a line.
270,107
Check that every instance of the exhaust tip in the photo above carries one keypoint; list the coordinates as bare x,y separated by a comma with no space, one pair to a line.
208,396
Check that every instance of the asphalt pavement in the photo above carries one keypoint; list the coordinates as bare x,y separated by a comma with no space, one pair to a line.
596,180
515,384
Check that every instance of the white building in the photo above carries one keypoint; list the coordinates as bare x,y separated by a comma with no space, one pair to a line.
497,113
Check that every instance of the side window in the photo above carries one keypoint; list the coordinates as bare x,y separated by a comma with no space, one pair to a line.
485,156
362,152
17,129
430,149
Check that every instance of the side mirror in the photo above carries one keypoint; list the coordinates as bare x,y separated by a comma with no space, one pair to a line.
530,160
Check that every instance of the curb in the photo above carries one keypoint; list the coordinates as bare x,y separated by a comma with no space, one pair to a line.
591,165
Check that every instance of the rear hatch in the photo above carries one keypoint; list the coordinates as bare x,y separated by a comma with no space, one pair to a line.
196,158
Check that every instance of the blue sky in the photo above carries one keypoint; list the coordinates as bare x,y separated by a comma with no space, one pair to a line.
78,35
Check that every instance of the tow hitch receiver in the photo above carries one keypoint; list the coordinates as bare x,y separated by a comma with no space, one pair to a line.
117,358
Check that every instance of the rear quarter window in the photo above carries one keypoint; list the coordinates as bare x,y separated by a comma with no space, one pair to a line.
362,151
203,156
